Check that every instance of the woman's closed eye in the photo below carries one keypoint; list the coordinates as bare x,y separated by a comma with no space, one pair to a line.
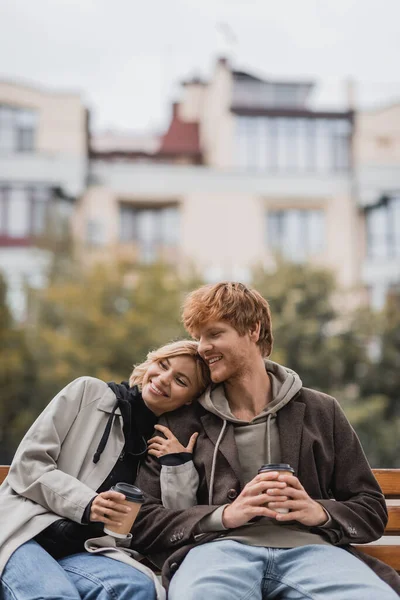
163,365
181,382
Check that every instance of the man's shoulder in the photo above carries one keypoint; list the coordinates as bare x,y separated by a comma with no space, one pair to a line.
317,399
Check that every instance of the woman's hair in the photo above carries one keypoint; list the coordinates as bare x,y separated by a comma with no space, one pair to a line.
179,348
242,307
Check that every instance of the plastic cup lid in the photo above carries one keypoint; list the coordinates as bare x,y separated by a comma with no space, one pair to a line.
132,493
276,467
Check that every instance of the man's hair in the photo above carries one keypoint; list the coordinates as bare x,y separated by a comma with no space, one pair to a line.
179,348
235,303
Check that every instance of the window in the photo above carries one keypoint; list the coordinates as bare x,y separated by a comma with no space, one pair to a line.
383,229
23,210
150,228
296,234
293,144
95,234
17,129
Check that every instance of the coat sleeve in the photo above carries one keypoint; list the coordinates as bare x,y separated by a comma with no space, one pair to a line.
34,473
358,510
158,529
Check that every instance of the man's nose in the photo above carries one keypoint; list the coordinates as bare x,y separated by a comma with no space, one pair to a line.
204,347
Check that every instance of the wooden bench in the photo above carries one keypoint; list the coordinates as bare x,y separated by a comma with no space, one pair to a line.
387,548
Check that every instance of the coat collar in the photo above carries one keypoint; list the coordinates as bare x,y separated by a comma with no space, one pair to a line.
107,402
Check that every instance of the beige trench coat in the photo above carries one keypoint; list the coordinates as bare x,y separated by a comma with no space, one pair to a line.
53,474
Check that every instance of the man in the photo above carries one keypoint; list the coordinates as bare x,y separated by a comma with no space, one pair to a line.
237,542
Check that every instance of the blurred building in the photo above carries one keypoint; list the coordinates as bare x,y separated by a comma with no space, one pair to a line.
377,174
43,169
246,171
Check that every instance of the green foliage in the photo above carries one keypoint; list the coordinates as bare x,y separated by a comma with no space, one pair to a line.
102,321
309,336
17,380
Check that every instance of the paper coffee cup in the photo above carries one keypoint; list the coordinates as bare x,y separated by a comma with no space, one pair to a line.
282,469
134,499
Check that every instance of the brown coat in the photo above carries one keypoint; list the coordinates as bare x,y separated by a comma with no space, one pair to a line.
316,440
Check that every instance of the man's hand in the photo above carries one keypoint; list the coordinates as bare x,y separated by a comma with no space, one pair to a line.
252,500
302,508
159,446
107,508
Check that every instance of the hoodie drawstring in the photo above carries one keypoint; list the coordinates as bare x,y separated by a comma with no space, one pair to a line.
106,435
214,460
269,419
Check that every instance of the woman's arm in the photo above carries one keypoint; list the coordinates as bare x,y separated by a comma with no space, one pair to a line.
34,473
179,479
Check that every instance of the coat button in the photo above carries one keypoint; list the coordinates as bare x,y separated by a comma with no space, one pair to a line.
174,567
232,494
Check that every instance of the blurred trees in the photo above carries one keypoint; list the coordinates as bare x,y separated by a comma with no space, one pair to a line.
103,320
17,380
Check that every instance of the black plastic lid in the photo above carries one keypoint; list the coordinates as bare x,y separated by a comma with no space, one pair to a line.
275,467
132,493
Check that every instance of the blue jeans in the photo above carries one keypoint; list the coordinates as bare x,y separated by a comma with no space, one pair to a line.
229,570
32,574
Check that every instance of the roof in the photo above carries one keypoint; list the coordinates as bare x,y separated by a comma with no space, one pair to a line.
182,137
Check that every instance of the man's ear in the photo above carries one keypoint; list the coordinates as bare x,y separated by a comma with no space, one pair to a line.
255,332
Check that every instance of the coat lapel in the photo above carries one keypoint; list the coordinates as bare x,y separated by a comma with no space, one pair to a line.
290,424
212,427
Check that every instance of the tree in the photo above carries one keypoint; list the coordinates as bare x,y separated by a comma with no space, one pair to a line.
101,321
17,380
310,335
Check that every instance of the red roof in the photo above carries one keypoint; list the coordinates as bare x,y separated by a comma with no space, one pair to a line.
181,138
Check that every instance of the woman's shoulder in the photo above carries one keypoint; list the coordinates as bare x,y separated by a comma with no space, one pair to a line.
90,387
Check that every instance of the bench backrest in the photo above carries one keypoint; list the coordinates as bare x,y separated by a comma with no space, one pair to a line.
388,548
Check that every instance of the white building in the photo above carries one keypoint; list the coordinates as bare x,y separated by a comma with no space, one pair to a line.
43,166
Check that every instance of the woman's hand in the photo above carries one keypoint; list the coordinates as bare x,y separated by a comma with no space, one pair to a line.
159,446
107,508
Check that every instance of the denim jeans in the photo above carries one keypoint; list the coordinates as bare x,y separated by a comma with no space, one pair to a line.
32,574
229,570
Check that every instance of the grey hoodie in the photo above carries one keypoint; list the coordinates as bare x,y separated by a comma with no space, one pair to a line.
257,443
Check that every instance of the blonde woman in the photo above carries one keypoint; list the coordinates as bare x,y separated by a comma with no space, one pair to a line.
56,496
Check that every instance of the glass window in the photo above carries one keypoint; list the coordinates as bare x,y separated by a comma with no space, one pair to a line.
296,234
150,228
19,206
95,235
17,129
293,144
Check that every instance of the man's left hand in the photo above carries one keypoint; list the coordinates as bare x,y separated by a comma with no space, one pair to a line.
301,507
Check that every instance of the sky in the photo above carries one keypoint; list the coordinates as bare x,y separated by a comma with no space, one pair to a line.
126,57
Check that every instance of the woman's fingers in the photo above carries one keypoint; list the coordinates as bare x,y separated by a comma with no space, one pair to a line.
154,452
192,442
167,432
157,439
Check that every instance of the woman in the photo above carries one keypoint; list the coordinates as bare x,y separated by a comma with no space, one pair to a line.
90,436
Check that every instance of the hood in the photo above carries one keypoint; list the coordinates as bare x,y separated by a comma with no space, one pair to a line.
285,385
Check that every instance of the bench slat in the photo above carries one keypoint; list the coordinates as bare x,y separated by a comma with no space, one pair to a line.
3,473
389,480
393,526
388,554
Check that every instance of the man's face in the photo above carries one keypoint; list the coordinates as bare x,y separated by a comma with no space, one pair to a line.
227,353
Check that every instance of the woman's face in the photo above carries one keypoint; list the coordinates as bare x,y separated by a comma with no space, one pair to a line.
170,383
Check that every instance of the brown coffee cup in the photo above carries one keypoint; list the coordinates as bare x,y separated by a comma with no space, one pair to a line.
133,499
281,469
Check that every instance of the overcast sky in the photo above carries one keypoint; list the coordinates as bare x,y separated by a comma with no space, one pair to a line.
126,57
